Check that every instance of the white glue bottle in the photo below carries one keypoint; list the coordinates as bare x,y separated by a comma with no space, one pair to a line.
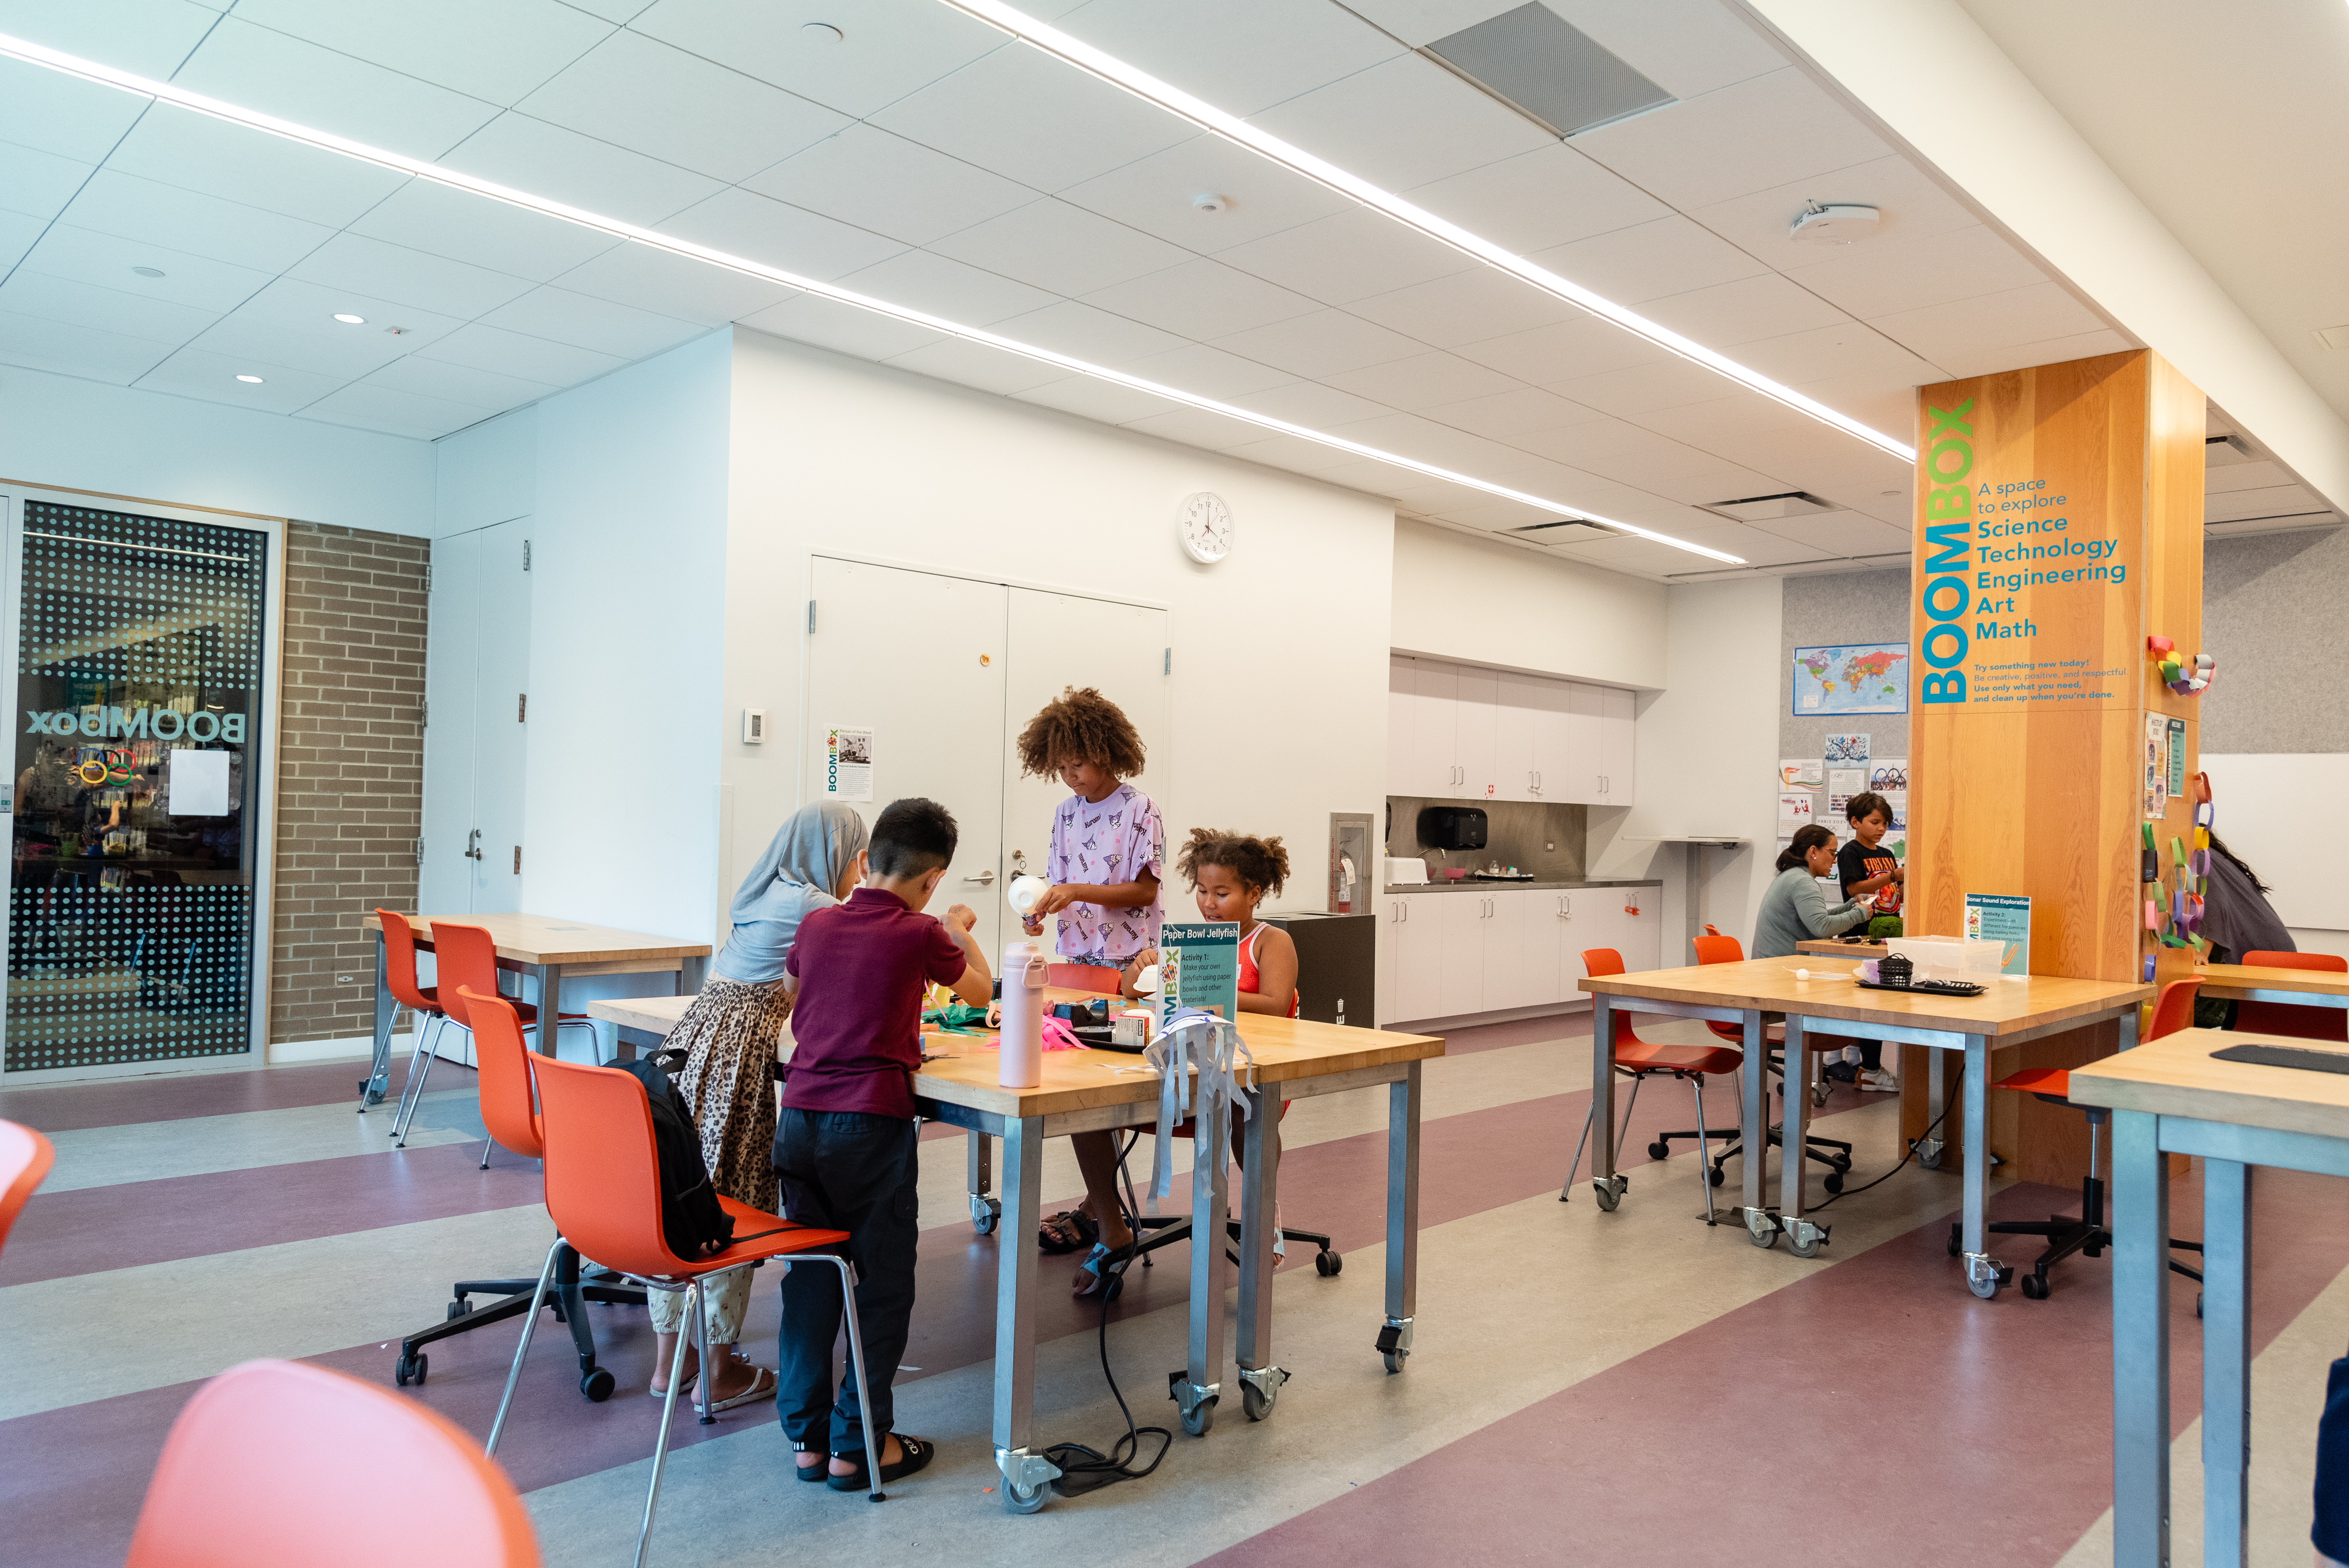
1022,1065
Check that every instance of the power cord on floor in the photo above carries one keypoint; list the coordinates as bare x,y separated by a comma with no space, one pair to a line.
1083,1469
1834,1198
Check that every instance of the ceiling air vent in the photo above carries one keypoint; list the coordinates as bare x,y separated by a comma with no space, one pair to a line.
1547,70
1766,508
2225,450
1564,531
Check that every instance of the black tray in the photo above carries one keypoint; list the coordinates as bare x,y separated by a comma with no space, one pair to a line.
1926,987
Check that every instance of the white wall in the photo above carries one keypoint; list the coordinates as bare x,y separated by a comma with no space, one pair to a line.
487,473
1278,696
1457,596
2270,809
87,435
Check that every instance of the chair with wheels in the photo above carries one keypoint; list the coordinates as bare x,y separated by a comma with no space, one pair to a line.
425,1014
26,1157
1639,1060
513,1121
603,1193
2173,1010
466,957
2295,1020
276,1464
1713,948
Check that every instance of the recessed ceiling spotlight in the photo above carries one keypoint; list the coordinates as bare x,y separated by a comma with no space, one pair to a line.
1211,203
1832,223
255,380
821,33
345,317
148,271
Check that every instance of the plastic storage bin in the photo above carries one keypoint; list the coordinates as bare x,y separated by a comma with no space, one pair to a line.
1950,957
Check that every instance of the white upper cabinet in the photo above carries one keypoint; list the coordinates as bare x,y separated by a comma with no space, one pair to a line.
1477,711
1617,723
1458,732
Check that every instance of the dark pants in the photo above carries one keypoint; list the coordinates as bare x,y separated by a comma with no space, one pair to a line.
853,1171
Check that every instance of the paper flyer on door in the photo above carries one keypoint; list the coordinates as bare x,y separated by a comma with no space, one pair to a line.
847,764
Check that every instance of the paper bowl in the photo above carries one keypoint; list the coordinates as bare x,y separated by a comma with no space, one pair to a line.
1023,892
1146,982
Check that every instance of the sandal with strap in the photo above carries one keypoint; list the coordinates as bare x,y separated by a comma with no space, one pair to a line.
1102,1273
918,1451
1069,1230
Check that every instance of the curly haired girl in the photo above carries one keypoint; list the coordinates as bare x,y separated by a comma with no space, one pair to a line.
1107,845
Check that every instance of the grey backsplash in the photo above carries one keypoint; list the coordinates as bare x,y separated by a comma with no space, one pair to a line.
1548,841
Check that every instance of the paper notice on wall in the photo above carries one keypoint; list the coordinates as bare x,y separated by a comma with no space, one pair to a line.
1885,774
847,764
1795,808
2157,765
1842,784
1800,772
1845,749
197,784
2176,757
1896,800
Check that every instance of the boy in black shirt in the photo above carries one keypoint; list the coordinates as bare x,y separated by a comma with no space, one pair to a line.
1861,859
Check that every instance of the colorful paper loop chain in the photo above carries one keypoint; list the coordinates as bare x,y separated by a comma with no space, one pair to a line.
2187,676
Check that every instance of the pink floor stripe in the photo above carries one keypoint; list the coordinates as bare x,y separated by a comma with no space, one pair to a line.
165,1096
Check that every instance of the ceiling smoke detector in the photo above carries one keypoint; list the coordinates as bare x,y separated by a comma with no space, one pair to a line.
1832,223
1208,202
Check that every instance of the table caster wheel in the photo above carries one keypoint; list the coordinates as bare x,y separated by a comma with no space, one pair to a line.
986,1214
1833,1181
2034,1288
410,1369
1660,1149
1610,1191
1253,1404
1819,1095
1327,1262
1200,1419
458,1308
1394,1363
598,1385
1765,1238
1025,1499
1809,1248
1987,1287
1929,1155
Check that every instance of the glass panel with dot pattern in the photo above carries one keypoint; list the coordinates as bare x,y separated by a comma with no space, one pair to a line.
139,676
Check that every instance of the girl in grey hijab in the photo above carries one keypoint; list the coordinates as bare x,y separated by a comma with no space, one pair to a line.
729,1035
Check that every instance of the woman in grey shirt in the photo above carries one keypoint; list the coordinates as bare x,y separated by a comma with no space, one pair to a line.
1793,909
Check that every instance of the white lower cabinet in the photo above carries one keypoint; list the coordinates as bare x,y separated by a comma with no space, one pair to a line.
1455,955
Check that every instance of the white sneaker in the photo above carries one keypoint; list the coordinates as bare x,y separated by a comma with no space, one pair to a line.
1851,1054
1879,1081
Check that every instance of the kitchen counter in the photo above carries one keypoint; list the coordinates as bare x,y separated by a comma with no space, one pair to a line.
1466,885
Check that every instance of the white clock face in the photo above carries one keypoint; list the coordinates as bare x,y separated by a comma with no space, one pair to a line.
1205,527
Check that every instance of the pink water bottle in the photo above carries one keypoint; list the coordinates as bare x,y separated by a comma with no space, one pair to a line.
1022,1066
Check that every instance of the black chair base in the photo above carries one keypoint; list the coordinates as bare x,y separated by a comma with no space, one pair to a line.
567,1298
2087,1235
1165,1229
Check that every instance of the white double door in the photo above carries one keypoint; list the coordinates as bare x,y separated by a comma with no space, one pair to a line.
476,684
945,672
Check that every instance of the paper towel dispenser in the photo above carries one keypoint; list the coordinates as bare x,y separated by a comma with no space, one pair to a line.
1451,827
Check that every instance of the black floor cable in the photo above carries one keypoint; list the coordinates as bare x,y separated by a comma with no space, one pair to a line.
1836,1198
1083,1468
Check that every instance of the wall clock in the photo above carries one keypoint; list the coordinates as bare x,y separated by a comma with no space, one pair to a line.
1205,526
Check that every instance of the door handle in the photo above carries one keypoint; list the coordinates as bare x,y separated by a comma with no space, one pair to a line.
474,845
984,876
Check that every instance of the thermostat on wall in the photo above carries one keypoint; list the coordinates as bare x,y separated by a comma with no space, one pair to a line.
754,726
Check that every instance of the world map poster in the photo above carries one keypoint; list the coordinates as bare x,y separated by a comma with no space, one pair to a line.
1860,677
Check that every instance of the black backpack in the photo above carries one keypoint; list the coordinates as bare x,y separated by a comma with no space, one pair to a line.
690,1214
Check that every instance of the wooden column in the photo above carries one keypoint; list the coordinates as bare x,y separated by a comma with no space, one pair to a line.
2059,523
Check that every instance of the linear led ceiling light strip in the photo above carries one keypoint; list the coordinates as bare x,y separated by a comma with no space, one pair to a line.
1232,127
165,92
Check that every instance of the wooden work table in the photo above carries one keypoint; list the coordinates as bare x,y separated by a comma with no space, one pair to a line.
2169,1097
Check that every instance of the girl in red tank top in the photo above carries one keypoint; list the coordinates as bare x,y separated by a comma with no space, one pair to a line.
1231,874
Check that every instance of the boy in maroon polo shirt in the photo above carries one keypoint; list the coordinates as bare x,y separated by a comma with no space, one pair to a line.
845,1145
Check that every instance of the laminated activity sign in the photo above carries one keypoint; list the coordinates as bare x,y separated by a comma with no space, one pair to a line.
2002,918
1199,966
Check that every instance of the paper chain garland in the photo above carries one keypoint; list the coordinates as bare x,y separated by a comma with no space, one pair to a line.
2176,920
2187,676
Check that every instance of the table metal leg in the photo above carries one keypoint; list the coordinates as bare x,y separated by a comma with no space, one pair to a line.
1802,1236
1604,1181
387,1009
1026,1478
549,1007
986,1213
2141,1341
1402,1215
1260,1381
2226,1359
692,974
1984,1273
1754,1131
1210,1271
1937,1106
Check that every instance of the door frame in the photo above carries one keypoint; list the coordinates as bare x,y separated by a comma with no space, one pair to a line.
261,762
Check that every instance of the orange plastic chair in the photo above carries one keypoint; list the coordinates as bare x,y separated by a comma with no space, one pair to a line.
466,956
2293,1019
2173,1010
26,1157
1098,979
275,1464
603,1193
426,1016
1637,1060
1713,948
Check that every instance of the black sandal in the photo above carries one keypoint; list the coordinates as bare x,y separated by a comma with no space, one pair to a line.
817,1471
918,1452
1069,1230
1104,1271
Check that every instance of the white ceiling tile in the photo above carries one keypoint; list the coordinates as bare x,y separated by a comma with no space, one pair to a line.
681,108
1241,56
967,296
1467,307
1890,409
1061,248
1347,256
1912,271
1505,415
1411,436
1203,299
255,67
1156,194
1964,330
1095,399
584,321
1207,372
1640,557
1550,196
1685,47
1840,534
1909,201
149,36
54,113
1726,314
1322,344
155,214
1088,333
1853,348
1749,136
549,161
663,283
1423,380
18,233
890,47
1311,404
969,364
1295,453
1197,427
408,277
518,356
867,177
1024,114
36,183
445,379
1578,345
1499,515
615,11
1756,546
1670,256
378,407
1645,459
31,292
1639,389
106,261
844,328
1419,22
2269,501
2244,476
194,372
475,230
496,53
178,147
1961,360
759,228
43,343
1403,123
291,322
